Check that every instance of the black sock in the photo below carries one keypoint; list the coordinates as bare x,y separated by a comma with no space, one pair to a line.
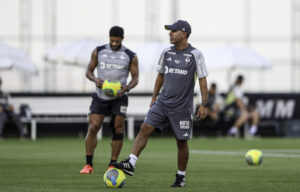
112,161
89,160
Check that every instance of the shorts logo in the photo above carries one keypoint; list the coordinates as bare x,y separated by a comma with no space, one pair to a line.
123,109
184,124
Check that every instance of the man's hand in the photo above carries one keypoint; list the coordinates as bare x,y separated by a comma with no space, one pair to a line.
99,82
122,90
202,112
152,101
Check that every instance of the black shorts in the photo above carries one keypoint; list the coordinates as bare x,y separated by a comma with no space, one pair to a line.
107,107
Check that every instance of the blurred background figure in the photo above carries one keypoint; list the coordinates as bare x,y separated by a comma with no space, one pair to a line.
210,125
213,107
7,114
236,108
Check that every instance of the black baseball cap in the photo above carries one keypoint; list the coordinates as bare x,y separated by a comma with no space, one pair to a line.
180,25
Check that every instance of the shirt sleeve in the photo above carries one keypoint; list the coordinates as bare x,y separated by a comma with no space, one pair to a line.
238,92
200,64
160,68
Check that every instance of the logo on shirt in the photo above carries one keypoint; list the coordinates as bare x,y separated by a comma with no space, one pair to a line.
184,124
177,61
187,60
122,57
104,65
169,59
175,71
171,53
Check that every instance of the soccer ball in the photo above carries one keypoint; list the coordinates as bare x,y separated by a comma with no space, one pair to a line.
114,178
254,157
111,87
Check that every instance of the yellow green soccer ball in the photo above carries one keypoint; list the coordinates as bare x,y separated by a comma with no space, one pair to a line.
111,88
254,157
114,178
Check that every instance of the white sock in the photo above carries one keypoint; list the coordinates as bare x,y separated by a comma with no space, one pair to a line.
253,130
233,130
181,173
133,159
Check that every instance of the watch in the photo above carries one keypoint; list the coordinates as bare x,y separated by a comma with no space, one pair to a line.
204,104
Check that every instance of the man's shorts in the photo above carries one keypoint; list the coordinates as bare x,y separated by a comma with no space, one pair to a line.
181,122
116,106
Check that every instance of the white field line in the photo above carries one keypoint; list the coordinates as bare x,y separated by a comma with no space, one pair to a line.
239,153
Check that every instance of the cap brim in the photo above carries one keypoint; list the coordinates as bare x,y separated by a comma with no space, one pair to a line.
169,27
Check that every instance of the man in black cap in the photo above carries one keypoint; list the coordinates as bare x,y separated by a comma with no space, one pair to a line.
176,69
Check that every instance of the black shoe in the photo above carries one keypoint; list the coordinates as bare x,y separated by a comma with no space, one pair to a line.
179,182
124,166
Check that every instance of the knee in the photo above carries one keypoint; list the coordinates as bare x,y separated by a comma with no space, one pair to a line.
93,128
118,133
119,128
146,130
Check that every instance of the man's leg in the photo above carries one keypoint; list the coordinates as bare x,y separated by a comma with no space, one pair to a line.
183,154
244,116
139,144
142,139
118,135
17,121
95,122
3,119
183,157
254,115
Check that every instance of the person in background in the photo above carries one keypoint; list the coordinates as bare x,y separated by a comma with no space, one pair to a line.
234,103
213,106
7,113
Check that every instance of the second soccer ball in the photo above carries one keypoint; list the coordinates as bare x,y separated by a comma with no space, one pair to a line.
254,157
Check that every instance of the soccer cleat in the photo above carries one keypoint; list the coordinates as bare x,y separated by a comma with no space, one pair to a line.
124,166
179,182
87,169
110,167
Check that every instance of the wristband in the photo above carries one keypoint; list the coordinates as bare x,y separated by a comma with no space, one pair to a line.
128,88
204,104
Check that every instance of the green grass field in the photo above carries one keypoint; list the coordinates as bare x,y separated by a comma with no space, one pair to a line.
53,164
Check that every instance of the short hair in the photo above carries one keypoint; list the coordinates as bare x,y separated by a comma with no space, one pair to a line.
116,31
240,78
213,85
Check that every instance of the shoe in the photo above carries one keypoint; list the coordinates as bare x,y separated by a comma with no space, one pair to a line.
110,167
179,182
87,169
124,166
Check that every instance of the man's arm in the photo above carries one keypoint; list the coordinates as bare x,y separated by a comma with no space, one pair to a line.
91,67
134,71
202,111
158,84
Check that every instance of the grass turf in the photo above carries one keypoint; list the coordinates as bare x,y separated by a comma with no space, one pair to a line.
53,164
